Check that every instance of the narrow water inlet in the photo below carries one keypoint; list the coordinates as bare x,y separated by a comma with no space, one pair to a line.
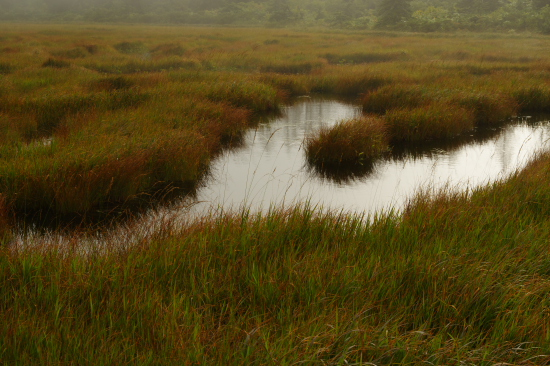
270,170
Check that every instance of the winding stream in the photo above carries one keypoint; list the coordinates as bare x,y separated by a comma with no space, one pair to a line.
270,170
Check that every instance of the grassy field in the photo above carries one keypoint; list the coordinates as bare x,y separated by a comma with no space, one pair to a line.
93,116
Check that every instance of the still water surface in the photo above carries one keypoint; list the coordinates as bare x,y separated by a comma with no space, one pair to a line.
270,168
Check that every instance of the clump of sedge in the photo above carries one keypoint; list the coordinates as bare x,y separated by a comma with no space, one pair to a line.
353,141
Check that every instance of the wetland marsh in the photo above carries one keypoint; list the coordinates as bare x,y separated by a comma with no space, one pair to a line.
131,113
270,168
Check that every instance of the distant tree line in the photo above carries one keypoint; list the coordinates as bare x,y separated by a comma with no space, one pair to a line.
413,15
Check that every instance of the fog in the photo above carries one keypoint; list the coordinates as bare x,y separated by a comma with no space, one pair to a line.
408,15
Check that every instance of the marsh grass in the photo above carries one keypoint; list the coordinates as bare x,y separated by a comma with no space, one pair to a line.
56,63
50,111
291,85
349,142
364,58
113,83
394,96
131,47
294,68
458,278
299,285
71,53
533,99
353,86
139,66
434,121
91,48
222,85
6,68
488,109
169,49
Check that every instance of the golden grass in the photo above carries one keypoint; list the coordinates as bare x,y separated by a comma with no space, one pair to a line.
354,141
101,93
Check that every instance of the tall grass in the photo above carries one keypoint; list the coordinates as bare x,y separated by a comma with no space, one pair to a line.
459,278
364,58
353,141
6,68
488,109
394,97
299,286
533,98
434,121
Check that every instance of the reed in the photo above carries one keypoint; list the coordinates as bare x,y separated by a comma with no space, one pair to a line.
533,98
431,122
364,58
139,66
292,68
489,109
394,97
291,85
354,141
56,63
131,47
6,68
71,53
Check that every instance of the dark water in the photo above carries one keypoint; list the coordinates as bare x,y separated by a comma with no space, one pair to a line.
270,169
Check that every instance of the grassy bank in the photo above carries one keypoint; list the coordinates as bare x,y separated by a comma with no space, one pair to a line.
457,280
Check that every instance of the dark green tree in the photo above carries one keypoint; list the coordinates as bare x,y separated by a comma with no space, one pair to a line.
393,12
59,6
280,12
539,4
478,6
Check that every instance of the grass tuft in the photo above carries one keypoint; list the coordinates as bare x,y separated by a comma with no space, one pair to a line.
292,68
169,49
130,47
56,63
113,83
72,53
91,48
135,67
354,141
533,98
488,108
394,97
364,58
6,68
430,122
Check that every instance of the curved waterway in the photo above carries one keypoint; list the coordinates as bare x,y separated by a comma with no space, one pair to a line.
270,168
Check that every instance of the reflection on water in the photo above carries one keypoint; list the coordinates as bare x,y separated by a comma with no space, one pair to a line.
270,169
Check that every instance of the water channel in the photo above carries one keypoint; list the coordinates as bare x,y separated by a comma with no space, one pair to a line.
270,168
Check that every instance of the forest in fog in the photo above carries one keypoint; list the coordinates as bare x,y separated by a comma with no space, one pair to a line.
407,15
